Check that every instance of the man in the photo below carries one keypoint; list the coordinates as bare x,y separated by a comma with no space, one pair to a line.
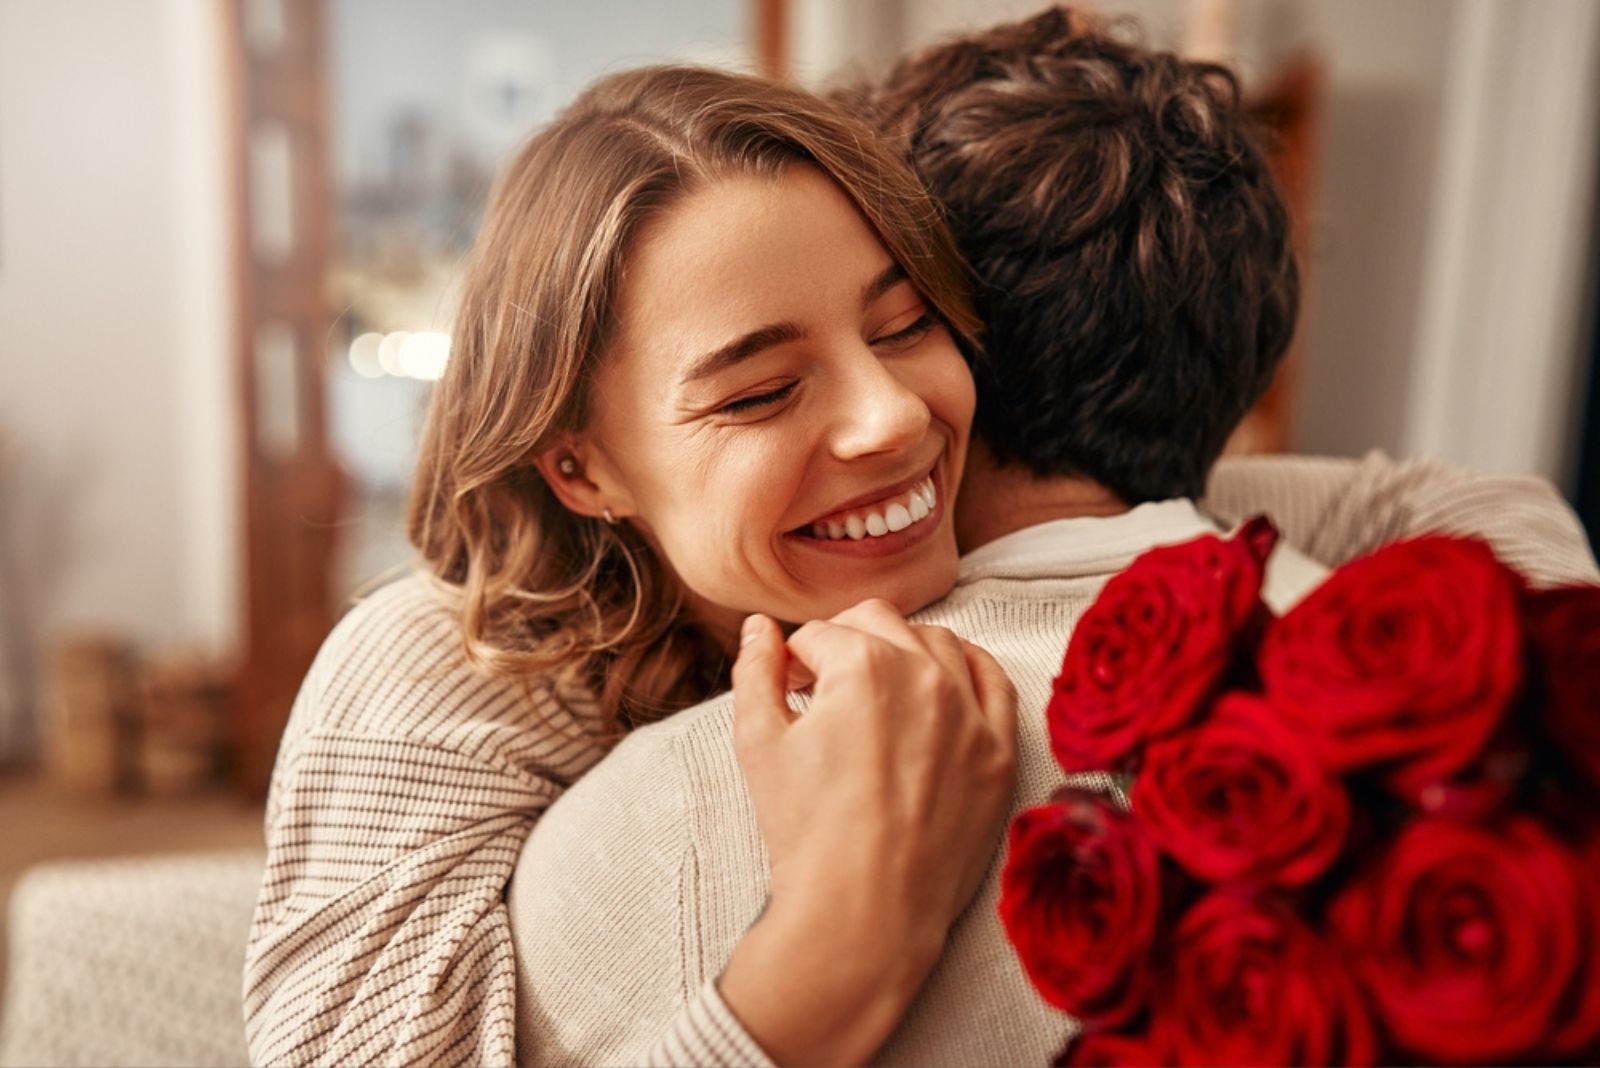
1135,274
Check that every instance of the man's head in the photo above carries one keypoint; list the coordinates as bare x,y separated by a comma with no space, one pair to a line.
1131,250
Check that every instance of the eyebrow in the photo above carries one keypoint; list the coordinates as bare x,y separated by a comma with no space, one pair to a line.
743,348
775,334
887,279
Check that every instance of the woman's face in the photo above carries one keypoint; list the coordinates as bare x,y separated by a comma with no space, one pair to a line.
780,413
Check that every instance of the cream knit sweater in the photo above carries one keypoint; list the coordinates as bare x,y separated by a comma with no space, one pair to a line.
407,782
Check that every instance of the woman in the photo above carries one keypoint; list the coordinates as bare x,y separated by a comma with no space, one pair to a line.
706,365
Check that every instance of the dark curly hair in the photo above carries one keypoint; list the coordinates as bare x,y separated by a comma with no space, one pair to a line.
1131,250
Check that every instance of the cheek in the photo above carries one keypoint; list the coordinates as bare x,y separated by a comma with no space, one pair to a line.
968,392
720,507
948,390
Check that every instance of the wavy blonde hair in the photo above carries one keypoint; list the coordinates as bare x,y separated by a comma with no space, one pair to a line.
543,592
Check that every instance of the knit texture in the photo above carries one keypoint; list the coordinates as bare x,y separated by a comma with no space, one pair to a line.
405,785
407,782
1337,510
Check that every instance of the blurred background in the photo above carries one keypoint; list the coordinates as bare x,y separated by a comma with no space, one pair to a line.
230,234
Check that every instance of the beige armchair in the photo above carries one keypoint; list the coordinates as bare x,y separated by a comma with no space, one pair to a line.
132,962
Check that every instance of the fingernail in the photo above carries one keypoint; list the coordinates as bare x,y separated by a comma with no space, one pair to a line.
749,629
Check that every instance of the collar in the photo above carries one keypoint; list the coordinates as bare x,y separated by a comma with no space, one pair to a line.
1087,545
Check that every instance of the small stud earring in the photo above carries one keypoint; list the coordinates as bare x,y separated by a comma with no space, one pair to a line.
609,518
568,466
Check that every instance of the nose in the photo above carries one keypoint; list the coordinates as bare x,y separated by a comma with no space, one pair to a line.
878,412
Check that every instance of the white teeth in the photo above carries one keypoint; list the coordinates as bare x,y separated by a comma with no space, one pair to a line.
917,506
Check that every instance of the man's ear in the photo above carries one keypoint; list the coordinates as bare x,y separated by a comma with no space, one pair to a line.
581,480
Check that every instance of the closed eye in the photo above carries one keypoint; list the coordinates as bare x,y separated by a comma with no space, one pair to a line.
916,330
756,401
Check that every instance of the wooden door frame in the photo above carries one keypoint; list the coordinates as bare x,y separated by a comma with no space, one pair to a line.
292,485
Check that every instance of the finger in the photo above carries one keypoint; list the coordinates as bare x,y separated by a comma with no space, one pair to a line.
797,676
948,650
997,696
881,619
824,648
759,708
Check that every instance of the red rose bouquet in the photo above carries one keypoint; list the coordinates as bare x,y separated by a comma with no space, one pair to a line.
1366,831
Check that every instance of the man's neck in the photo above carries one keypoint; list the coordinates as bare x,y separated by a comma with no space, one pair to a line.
999,499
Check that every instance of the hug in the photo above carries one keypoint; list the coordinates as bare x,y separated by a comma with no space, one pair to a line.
755,392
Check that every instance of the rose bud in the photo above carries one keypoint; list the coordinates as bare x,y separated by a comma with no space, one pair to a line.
1242,797
1467,938
1250,983
1404,660
1566,647
1079,899
1154,647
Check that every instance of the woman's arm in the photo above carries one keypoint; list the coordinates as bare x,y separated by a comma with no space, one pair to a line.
405,787
1336,509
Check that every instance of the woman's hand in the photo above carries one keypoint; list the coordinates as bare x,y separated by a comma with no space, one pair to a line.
881,807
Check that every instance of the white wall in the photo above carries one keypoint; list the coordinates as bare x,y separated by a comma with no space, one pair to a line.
1504,318
1386,67
115,355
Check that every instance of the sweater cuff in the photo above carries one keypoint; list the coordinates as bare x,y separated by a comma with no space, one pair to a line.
705,1032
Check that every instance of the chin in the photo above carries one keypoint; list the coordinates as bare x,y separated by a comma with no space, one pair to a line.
916,592
909,591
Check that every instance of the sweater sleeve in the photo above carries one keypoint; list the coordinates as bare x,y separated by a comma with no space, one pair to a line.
706,1033
405,786
1335,510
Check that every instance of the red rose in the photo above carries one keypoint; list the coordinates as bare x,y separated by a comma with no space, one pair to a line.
1111,1049
1468,938
1566,643
1154,646
1576,1039
1079,899
1242,797
1250,983
1404,659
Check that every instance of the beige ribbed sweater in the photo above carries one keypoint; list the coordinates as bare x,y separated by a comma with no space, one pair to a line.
407,782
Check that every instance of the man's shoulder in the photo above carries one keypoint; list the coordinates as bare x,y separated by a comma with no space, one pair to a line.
663,760
1024,610
1291,574
994,607
710,718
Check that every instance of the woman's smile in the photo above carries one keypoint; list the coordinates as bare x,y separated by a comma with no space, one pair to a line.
881,524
